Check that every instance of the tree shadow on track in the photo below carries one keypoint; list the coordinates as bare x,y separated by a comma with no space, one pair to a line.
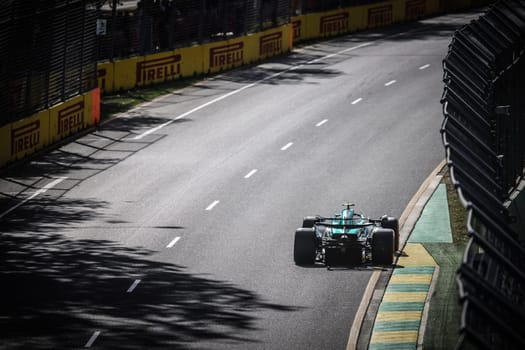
77,160
57,291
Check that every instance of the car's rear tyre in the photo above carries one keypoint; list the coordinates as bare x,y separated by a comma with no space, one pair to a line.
383,246
393,224
304,248
310,221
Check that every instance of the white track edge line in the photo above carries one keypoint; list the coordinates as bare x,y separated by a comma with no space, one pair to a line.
191,111
91,340
40,191
172,243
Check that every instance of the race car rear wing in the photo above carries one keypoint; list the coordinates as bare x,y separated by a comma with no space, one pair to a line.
322,222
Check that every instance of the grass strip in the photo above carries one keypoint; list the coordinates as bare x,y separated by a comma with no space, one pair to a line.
445,311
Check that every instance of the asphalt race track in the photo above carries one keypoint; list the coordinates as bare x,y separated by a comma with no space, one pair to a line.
172,227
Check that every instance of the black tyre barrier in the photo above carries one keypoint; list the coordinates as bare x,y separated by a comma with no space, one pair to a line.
483,133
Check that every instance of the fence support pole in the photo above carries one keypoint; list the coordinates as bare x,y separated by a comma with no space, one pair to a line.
113,24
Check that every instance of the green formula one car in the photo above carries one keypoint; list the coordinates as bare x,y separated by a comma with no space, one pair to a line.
348,238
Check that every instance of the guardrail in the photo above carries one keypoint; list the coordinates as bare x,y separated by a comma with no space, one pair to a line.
483,136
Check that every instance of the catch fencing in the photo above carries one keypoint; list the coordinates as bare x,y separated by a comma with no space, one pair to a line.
483,134
140,27
49,48
48,54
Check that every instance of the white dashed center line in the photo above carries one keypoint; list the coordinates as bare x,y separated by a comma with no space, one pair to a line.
172,243
321,122
357,101
424,66
133,286
247,176
92,339
390,82
288,145
211,206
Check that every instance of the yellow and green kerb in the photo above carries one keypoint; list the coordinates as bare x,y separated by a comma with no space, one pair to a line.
399,316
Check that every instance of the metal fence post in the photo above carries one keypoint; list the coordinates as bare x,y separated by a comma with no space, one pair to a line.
114,4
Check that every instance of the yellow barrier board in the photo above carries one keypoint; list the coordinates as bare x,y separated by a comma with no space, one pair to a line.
158,68
224,55
399,10
310,26
227,54
415,9
251,48
326,24
192,61
105,76
125,73
5,144
379,15
24,137
334,23
345,20
358,18
209,58
273,42
28,135
298,27
432,7
218,56
67,118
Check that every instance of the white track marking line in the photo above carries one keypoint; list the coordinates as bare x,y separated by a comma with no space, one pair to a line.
424,66
92,339
40,191
390,82
133,286
211,206
357,101
247,176
172,243
340,52
288,145
321,122
191,111
198,108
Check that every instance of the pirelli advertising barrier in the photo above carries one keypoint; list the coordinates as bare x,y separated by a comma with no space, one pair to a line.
185,62
28,135
214,57
350,19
